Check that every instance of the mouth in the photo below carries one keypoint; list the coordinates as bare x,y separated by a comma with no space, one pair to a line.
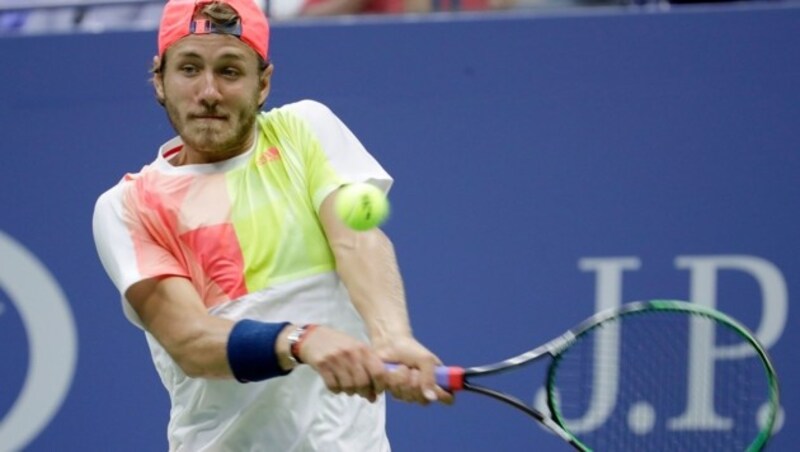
207,117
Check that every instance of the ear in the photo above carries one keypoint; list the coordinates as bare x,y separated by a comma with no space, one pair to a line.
264,84
158,79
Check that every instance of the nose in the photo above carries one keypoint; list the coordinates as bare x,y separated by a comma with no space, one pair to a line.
209,93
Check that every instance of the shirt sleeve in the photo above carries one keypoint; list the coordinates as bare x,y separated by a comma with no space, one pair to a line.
338,157
127,251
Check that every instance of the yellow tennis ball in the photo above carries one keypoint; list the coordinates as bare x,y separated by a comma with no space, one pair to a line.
362,206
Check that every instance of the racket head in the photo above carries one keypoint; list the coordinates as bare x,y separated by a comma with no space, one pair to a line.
641,358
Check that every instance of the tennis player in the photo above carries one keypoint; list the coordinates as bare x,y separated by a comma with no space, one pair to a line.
268,320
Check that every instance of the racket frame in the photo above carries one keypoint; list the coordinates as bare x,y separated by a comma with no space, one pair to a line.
558,345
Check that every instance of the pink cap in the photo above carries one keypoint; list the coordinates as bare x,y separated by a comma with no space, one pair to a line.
177,21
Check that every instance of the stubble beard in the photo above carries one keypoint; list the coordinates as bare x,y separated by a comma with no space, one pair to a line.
215,141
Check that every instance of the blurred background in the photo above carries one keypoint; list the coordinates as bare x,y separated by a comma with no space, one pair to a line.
94,16
552,158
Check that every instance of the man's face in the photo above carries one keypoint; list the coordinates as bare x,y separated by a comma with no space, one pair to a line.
212,87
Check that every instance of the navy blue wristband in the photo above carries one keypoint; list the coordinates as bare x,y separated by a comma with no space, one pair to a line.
251,350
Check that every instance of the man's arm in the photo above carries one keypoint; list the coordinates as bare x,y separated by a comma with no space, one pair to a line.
172,311
367,264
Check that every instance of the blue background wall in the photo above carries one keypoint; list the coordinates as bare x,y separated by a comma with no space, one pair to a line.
527,151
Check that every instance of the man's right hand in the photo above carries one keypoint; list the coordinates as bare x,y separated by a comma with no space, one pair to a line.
346,364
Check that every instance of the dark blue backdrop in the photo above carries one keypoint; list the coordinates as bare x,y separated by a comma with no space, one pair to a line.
536,159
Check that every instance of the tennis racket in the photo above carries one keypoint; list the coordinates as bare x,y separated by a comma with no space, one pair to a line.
631,378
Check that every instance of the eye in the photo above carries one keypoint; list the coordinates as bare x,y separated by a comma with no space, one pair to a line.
189,69
230,72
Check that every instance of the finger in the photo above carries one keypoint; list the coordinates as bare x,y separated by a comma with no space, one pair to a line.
428,379
377,373
375,378
362,381
331,382
354,375
341,372
397,382
345,380
416,391
370,395
445,397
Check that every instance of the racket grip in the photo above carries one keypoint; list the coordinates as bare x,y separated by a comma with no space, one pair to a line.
449,378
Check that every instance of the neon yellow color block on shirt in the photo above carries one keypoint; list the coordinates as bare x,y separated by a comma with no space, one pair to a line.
276,199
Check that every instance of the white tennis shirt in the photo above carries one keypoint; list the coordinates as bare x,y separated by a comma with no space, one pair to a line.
246,233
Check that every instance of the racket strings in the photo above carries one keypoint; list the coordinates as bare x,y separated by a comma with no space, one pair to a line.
658,382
